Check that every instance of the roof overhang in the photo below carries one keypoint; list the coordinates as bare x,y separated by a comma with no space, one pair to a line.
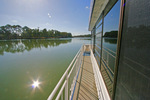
97,7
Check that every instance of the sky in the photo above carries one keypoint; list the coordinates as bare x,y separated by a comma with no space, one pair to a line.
111,20
62,15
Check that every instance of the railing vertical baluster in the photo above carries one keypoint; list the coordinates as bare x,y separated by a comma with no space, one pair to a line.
66,88
62,96
108,60
107,57
114,64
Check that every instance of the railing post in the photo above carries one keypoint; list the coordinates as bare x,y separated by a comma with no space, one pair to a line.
107,58
62,96
66,87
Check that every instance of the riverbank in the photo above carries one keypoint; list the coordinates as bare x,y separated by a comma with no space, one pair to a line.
33,38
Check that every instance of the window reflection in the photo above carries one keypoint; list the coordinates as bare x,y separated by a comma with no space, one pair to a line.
134,63
110,32
111,20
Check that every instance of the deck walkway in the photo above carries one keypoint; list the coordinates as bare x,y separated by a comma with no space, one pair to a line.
85,85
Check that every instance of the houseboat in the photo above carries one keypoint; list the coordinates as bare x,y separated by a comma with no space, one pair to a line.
99,73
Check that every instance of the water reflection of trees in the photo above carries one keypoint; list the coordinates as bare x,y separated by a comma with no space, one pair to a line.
110,40
14,46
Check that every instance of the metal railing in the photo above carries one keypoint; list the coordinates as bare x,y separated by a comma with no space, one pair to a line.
66,85
107,67
64,89
100,84
111,51
108,58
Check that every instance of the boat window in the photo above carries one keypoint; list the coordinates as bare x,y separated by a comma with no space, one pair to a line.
133,80
104,39
109,45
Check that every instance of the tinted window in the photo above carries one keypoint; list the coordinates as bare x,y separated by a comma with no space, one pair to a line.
133,81
111,24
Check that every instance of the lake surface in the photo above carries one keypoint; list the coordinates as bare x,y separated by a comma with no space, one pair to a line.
24,61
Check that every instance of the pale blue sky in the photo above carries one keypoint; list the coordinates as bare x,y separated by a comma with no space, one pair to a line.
63,15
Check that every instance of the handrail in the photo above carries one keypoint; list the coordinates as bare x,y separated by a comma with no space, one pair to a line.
106,49
98,46
63,86
108,66
61,90
106,60
65,75
97,53
109,53
100,84
110,50
108,70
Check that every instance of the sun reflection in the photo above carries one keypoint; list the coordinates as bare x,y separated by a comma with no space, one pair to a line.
35,84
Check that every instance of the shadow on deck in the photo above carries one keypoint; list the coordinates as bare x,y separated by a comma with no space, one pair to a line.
85,85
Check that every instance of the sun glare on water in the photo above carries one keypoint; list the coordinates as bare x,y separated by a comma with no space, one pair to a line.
35,84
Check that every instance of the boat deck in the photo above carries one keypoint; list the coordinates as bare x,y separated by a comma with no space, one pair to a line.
85,85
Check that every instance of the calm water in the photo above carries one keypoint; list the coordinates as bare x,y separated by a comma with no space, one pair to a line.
24,61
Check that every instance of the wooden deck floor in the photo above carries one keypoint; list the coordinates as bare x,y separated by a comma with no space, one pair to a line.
85,86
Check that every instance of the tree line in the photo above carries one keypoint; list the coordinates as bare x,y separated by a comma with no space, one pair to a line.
87,35
112,34
18,32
